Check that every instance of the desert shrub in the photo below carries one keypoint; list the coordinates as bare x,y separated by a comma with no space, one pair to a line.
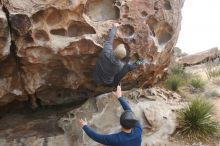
196,121
173,82
176,69
197,83
212,69
176,77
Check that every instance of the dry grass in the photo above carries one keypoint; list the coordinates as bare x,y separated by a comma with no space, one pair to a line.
212,69
216,81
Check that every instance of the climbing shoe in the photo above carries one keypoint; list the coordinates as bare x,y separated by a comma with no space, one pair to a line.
139,62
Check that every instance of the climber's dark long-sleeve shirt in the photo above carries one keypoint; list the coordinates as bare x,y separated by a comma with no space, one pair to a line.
107,65
121,138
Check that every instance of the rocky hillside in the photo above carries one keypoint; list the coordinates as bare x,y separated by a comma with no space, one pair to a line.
48,48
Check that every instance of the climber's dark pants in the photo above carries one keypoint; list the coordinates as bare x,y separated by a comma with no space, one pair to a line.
126,68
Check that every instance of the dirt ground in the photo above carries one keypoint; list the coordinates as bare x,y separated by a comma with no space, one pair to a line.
211,93
216,103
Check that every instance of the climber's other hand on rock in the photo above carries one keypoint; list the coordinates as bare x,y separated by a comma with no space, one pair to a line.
118,93
82,123
116,25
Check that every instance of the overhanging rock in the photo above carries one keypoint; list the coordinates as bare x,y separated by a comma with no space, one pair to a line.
57,43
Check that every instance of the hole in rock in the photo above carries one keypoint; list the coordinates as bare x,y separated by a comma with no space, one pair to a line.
21,23
60,31
42,122
133,40
156,6
55,96
77,28
81,48
72,115
125,9
144,14
102,10
128,18
54,16
28,38
41,35
153,24
164,33
167,5
118,3
38,16
59,95
3,41
126,30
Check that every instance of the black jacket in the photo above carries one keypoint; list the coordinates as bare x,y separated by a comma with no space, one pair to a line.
107,65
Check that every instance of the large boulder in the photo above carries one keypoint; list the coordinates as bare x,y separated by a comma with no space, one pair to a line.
154,107
56,44
200,57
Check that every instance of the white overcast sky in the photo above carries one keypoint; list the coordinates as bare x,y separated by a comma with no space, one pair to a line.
200,28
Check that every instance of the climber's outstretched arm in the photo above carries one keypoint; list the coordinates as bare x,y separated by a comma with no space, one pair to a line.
121,99
101,138
110,39
125,104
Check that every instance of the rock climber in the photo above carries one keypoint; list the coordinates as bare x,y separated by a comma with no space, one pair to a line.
131,133
110,68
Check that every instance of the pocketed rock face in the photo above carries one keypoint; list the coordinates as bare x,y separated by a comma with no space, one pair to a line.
58,42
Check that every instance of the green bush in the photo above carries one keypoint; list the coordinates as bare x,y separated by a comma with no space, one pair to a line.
196,121
173,82
197,83
177,69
